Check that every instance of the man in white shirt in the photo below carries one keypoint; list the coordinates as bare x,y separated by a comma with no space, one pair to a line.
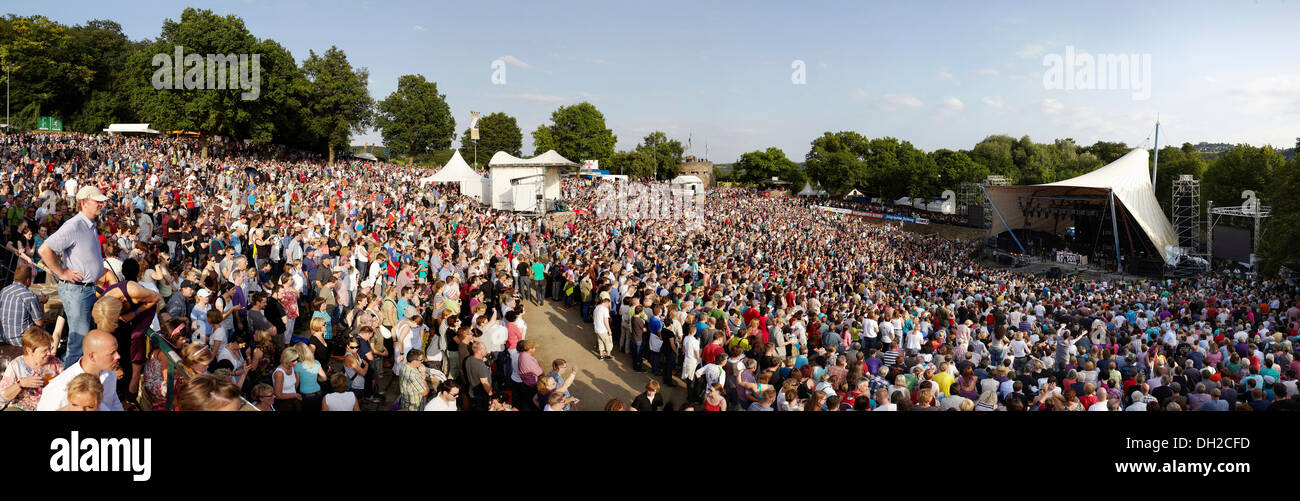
1102,404
99,356
448,392
604,338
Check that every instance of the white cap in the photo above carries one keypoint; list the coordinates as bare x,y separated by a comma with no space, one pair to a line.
204,293
92,193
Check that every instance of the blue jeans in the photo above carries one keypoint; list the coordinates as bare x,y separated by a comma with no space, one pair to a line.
636,355
77,302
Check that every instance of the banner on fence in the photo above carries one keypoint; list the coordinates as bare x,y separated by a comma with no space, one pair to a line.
875,215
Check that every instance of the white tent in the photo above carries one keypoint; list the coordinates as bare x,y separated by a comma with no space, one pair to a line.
459,172
131,129
808,191
1128,179
687,186
853,193
903,201
518,184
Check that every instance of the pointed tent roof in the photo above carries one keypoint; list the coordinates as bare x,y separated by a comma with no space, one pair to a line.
455,170
1130,179
808,190
548,159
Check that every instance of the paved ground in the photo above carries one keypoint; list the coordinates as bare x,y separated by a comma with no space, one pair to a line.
561,333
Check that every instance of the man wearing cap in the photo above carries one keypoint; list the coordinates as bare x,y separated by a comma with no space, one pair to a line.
76,245
178,306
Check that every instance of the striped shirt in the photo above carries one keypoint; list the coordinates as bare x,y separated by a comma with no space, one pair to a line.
19,309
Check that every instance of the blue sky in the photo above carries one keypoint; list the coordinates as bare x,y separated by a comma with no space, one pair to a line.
939,74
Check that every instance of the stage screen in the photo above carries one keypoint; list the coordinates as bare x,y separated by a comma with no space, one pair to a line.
1232,243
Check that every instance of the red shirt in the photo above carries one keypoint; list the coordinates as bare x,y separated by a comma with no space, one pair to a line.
710,353
512,335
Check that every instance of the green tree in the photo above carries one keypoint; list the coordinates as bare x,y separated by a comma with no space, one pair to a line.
954,168
1244,167
576,132
1174,162
50,74
666,154
994,153
542,140
497,132
760,165
1108,152
338,102
415,118
207,111
836,161
1277,245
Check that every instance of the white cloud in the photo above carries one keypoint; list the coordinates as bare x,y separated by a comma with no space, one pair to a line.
418,28
986,72
943,75
540,98
950,107
993,101
891,102
734,90
858,95
599,61
1271,97
1052,106
514,61
746,131
370,82
1033,50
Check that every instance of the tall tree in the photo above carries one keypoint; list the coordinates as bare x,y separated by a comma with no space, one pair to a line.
338,102
415,118
836,161
577,132
199,108
497,132
52,76
1244,167
666,154
760,165
543,141
1278,245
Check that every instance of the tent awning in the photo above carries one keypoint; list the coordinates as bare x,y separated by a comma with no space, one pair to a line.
1129,178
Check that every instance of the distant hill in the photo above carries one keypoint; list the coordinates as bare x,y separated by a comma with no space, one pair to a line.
1210,151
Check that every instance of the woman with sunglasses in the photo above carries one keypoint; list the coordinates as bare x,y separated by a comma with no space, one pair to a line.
263,397
285,382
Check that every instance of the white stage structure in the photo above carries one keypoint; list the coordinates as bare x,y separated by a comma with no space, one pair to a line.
526,184
1123,185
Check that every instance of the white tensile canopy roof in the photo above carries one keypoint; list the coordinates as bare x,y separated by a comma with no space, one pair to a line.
809,191
456,170
854,193
687,180
548,159
1129,179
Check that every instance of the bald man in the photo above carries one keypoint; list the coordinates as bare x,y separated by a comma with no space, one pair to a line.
99,357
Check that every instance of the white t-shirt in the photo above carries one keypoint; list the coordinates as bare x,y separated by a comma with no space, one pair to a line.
600,317
339,402
869,328
438,404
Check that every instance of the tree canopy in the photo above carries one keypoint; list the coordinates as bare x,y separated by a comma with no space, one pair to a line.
497,132
415,118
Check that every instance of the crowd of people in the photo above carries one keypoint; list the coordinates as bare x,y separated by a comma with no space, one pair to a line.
413,298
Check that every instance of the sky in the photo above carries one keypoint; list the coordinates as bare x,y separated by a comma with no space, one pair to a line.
726,74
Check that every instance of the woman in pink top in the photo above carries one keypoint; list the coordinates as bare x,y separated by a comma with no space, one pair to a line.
529,371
